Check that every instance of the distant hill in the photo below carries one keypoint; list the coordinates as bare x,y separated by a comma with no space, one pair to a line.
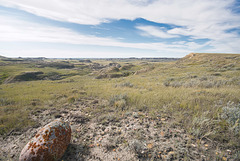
2,57
209,58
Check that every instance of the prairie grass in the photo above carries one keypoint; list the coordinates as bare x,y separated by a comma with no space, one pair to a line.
193,92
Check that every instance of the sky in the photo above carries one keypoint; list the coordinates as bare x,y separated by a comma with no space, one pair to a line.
118,28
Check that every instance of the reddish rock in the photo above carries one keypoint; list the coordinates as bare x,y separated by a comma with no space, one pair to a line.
49,143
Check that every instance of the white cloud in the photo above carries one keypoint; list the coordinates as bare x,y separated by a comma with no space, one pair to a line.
68,53
13,30
197,16
155,31
208,19
186,12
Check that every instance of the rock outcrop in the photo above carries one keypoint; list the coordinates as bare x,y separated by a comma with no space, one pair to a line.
49,143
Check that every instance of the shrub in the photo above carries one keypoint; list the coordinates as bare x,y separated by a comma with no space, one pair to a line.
126,84
139,148
202,125
71,99
201,82
231,113
119,101
5,102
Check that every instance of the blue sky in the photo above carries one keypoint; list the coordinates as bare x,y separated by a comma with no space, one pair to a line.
119,28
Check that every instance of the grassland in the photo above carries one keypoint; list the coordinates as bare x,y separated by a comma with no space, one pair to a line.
200,91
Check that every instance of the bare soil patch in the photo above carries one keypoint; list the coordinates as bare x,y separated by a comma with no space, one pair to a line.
133,136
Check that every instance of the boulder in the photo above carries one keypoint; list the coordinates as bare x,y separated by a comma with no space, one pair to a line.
49,143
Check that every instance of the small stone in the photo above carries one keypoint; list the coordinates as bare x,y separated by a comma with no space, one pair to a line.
171,153
150,146
75,140
162,133
91,146
178,131
229,151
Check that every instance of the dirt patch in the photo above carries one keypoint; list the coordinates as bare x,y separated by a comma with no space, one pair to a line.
132,136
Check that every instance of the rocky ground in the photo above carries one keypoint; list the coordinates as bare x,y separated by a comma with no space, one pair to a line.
130,137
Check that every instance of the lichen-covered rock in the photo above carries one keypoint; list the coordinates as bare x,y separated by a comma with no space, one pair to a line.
49,143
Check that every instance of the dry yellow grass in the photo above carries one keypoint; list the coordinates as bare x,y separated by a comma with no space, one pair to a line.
192,90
